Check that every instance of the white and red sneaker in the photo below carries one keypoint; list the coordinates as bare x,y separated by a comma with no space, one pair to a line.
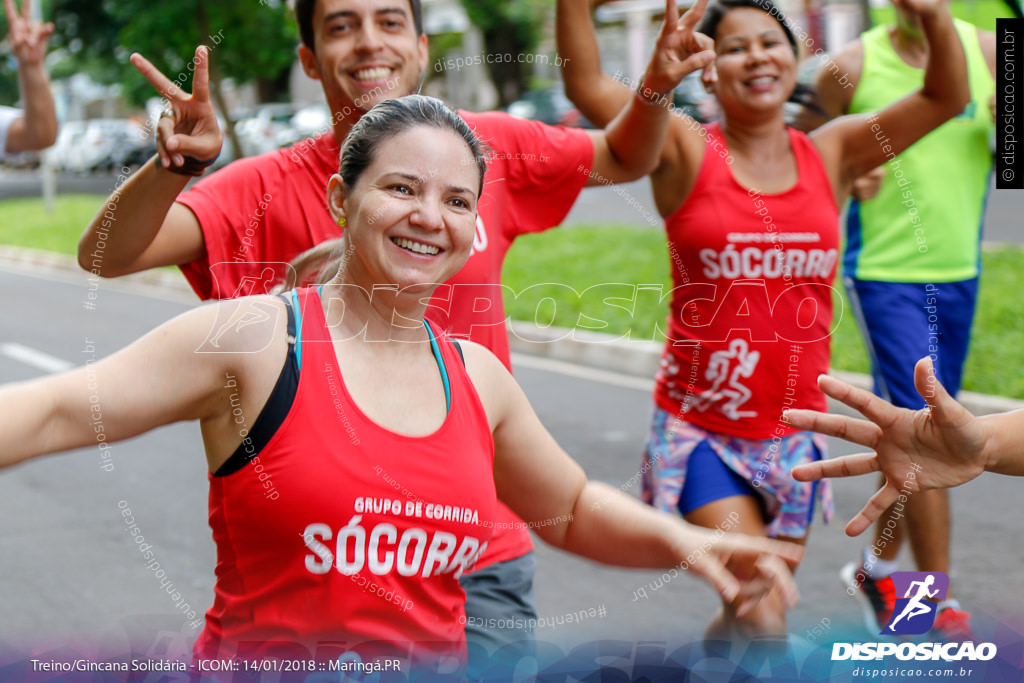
952,625
877,598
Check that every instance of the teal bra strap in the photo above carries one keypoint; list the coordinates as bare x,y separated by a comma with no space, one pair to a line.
298,329
433,347
440,364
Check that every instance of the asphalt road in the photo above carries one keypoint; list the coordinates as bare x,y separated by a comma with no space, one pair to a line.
629,204
71,576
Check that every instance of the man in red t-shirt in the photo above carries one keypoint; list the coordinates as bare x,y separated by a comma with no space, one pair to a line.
233,233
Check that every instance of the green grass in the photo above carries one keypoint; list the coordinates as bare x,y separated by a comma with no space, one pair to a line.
581,258
26,224
981,13
997,342
848,351
578,258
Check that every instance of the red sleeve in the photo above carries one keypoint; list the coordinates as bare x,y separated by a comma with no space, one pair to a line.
545,167
223,203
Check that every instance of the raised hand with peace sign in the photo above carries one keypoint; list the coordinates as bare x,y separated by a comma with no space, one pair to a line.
27,36
188,137
680,50
35,127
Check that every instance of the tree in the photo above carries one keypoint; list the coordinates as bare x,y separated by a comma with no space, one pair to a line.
248,41
510,29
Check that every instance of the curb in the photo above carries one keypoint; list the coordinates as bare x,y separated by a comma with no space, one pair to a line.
641,358
169,280
632,357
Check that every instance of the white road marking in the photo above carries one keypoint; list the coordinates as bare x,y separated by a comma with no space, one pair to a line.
36,359
583,372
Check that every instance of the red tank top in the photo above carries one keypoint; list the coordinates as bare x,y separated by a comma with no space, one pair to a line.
751,305
363,545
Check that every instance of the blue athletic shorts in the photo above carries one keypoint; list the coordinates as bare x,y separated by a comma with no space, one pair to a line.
709,479
903,322
686,467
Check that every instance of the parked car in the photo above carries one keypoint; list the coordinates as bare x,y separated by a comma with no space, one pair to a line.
308,122
98,144
692,99
69,136
259,129
137,155
21,161
144,149
549,106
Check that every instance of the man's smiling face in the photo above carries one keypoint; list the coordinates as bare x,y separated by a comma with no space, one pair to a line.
366,51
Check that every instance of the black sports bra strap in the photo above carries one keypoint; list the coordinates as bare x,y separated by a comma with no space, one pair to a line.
276,409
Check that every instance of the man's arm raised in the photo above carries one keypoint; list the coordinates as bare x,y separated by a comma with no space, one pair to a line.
140,226
37,127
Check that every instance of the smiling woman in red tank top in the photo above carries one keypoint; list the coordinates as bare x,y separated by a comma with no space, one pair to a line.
345,513
751,213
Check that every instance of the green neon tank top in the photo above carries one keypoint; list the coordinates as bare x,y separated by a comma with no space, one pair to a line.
925,223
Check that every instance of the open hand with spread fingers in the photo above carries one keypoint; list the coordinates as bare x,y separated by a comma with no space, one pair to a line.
188,136
936,447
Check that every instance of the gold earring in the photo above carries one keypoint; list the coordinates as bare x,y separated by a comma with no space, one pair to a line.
342,222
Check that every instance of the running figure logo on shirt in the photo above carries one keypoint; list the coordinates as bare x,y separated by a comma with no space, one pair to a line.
726,368
914,616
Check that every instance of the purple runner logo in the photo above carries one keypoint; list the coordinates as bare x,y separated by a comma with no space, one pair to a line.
913,614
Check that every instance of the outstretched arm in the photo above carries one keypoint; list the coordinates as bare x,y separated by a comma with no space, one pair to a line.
631,145
173,373
599,96
37,128
855,144
834,85
140,226
547,489
939,447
